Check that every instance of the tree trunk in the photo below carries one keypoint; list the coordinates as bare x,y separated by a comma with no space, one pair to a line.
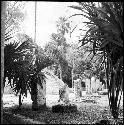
72,79
112,83
3,9
113,101
34,94
56,70
60,72
34,101
20,102
41,91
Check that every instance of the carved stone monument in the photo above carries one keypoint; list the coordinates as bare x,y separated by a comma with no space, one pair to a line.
77,88
64,94
88,87
93,84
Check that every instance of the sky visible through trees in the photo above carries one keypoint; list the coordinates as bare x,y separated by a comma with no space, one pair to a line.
47,15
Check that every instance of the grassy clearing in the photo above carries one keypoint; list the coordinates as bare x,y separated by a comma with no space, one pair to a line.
88,113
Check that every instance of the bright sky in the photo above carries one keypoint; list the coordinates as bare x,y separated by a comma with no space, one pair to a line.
47,15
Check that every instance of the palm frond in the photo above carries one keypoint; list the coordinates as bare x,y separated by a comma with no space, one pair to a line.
107,37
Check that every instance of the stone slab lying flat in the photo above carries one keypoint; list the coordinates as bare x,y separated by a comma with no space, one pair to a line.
64,108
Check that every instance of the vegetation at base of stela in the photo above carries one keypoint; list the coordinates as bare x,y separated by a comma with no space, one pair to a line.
102,45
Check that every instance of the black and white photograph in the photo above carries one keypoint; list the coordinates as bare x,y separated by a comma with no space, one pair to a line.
61,62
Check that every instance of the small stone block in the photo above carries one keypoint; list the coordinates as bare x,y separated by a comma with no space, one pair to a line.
64,108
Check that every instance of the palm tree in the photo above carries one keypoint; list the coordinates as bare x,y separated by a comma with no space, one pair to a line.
17,61
41,61
57,50
63,27
23,62
105,34
23,65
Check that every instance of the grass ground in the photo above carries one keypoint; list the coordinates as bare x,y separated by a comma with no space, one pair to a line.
88,112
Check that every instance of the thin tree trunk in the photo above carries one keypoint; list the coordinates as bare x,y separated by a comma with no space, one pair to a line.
73,74
34,100
35,20
60,72
72,79
111,88
3,9
34,79
20,102
56,70
34,94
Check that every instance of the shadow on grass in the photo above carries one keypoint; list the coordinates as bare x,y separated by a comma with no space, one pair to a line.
85,114
44,114
25,110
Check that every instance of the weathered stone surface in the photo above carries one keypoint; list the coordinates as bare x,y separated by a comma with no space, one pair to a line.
41,97
99,84
64,94
77,88
54,85
93,84
87,81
